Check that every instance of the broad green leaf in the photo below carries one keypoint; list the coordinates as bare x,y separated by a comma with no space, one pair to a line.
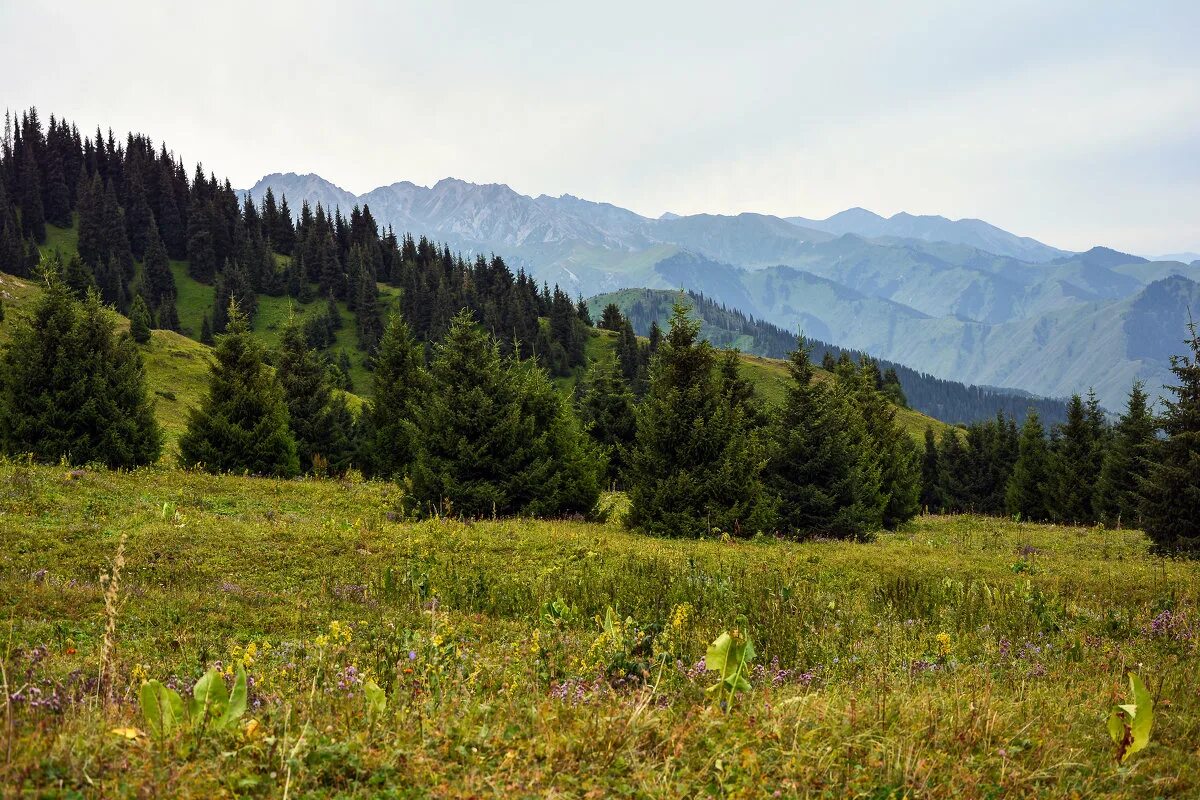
1143,715
1116,727
237,700
1130,724
376,699
208,697
162,708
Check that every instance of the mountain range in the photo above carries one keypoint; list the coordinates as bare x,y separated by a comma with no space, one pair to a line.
960,299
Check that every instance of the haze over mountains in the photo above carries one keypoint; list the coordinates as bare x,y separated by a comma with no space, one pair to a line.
960,299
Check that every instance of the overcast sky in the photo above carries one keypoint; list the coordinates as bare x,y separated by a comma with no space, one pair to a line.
1077,123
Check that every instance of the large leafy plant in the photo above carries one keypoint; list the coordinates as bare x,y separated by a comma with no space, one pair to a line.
210,708
1130,723
729,656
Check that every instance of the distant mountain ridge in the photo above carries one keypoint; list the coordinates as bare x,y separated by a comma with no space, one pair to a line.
971,232
961,300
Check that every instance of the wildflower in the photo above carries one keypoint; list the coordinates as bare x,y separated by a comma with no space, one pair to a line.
943,641
139,673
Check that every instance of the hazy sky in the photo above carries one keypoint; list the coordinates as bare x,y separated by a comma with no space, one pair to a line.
1077,123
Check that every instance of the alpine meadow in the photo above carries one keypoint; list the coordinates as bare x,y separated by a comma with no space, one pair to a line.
453,491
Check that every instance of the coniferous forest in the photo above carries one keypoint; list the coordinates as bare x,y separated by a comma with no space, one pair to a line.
463,411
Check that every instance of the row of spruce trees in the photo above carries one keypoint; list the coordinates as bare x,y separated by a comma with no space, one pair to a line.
1143,471
469,429
135,210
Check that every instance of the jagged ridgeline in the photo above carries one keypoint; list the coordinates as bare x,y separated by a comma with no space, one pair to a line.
725,327
126,219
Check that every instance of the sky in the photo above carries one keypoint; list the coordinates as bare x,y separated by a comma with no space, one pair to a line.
1077,123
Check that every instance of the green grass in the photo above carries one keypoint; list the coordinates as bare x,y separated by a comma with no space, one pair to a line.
194,300
1038,626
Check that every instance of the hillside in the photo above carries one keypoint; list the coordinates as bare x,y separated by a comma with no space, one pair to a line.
728,328
980,650
176,365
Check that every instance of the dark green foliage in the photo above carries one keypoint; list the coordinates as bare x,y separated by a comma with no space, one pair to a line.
1027,494
931,473
319,418
696,465
1075,464
77,277
33,216
158,283
1171,490
1127,462
400,387
57,195
139,321
606,409
495,436
206,334
611,319
892,449
72,389
825,482
242,427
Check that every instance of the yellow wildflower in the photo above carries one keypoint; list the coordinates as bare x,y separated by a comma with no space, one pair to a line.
943,640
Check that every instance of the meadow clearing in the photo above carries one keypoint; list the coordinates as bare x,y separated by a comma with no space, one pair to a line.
959,657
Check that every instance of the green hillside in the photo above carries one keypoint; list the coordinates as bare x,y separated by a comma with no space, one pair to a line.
194,300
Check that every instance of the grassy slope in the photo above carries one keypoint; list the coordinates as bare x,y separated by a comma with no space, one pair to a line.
1040,625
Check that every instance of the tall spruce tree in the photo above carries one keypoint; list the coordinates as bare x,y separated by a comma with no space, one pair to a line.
70,388
607,410
495,436
1127,462
1074,466
315,417
825,483
1171,492
139,321
242,426
895,452
400,385
931,473
695,465
1026,493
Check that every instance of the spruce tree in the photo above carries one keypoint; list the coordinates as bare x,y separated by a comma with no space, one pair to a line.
1026,494
71,389
611,318
893,449
242,426
315,419
139,321
1074,467
33,215
1127,462
1171,492
695,465
400,385
607,410
495,436
77,277
931,473
825,483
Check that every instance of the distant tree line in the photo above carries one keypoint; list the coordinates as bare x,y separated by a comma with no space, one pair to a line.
1143,471
949,401
135,210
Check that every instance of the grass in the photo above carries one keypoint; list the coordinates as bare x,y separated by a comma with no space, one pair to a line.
960,657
